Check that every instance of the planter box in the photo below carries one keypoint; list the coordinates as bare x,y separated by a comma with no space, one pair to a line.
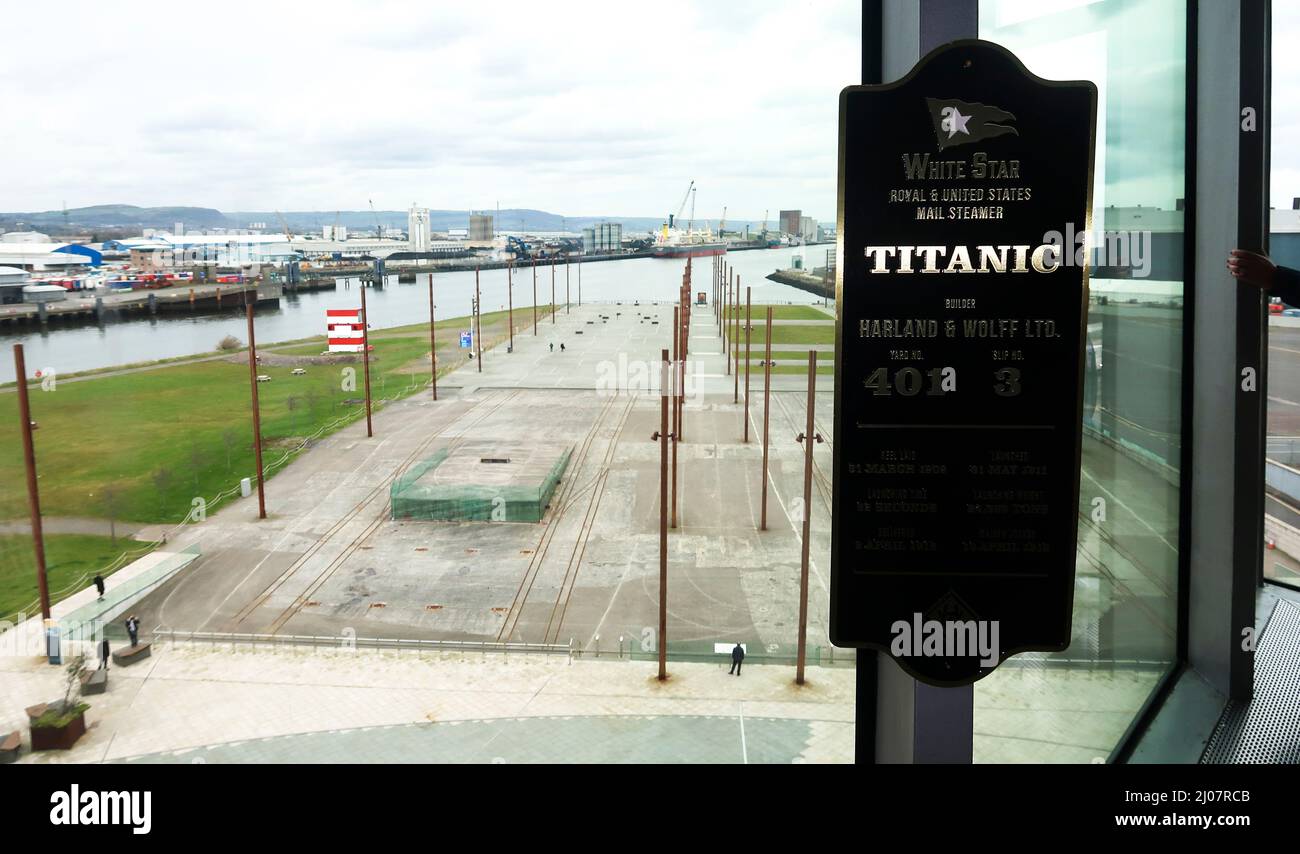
59,738
54,737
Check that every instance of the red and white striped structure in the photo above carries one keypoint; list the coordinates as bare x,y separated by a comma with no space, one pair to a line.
344,330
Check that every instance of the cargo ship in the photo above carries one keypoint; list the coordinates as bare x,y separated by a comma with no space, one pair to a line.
673,242
690,243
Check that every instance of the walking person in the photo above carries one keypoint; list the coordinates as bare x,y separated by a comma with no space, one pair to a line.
99,585
103,654
133,629
737,656
552,346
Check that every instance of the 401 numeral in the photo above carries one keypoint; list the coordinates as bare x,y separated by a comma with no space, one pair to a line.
910,382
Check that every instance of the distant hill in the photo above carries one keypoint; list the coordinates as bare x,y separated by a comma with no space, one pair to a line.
133,218
104,216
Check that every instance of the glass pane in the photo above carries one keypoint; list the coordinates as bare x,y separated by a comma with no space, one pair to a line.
1074,706
1282,478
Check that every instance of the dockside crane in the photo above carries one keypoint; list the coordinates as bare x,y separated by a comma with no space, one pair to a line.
682,207
722,223
284,226
379,227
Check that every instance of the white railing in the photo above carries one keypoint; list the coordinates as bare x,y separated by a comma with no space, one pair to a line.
344,642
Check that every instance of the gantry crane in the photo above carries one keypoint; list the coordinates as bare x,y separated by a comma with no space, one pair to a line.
682,207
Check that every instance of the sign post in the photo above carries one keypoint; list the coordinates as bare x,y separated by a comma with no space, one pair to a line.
962,288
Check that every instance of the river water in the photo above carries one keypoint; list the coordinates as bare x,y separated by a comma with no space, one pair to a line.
67,349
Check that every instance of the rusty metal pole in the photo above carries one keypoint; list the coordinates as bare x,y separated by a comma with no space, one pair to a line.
685,352
717,301
767,406
579,281
478,321
809,438
722,307
724,325
748,335
552,291
726,321
673,389
534,296
662,639
365,356
33,491
566,282
257,412
433,343
736,380
510,302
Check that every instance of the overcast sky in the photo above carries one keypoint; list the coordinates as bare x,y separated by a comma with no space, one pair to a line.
576,108
1286,93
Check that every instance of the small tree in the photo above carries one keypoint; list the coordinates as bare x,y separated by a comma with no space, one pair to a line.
113,507
73,674
230,342
229,438
196,465
162,481
312,398
295,404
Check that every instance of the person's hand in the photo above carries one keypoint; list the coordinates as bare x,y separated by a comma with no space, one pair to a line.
1252,268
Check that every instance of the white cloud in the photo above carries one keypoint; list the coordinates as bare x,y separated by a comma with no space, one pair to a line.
1285,184
575,107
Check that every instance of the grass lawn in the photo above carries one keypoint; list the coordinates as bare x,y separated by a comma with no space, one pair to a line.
785,335
756,370
141,446
784,312
68,557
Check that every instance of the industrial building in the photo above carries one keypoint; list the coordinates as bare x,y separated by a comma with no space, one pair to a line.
34,254
603,237
226,250
1284,234
370,247
12,282
24,237
790,222
418,231
482,228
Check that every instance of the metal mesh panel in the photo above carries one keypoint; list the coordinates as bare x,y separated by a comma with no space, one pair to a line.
415,495
1265,730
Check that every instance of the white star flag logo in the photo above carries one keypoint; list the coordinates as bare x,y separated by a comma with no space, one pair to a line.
953,121
957,122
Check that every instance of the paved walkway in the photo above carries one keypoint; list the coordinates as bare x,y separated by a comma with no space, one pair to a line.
75,525
195,703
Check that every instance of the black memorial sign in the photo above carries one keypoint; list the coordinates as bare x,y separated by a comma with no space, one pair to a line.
965,192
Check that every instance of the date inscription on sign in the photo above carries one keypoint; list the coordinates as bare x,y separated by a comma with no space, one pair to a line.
962,286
